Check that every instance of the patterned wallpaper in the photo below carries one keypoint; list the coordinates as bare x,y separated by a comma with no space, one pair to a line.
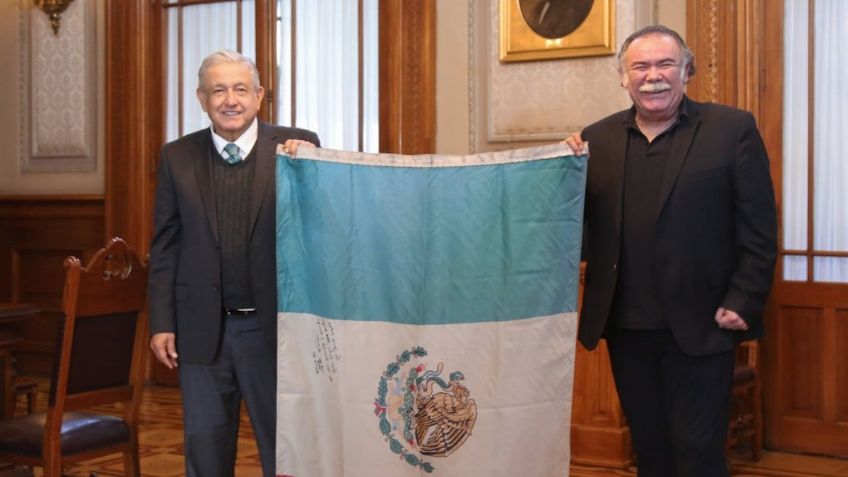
58,85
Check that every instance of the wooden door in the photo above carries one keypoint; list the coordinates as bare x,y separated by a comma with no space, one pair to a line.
806,387
806,384
739,50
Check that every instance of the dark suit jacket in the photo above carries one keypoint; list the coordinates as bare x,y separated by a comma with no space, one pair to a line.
716,227
184,291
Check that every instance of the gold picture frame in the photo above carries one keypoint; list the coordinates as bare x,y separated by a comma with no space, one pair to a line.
595,36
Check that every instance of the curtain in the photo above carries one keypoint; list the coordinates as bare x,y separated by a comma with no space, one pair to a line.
830,172
325,63
326,71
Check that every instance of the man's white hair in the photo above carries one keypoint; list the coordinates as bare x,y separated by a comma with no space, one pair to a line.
227,56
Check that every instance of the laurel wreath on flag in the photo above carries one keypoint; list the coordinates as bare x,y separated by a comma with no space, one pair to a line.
381,408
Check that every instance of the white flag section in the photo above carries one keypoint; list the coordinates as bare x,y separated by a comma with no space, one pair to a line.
427,312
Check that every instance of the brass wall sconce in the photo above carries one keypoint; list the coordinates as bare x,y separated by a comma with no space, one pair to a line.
53,9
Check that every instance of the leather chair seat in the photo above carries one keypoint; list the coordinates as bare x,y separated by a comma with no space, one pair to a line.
80,432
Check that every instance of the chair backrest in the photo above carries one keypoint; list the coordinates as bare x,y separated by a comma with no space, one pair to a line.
101,341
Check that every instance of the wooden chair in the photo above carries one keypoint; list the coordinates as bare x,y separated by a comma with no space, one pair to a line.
745,432
98,362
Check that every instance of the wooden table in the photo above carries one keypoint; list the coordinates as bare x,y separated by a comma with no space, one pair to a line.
12,315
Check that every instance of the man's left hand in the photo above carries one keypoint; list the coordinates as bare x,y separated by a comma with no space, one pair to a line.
730,320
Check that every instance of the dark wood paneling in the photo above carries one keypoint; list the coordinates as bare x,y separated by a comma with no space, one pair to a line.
800,328
36,234
840,338
806,384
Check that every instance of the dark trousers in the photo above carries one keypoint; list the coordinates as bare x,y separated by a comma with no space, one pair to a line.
676,405
244,369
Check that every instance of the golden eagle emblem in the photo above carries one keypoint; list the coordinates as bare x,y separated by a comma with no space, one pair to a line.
444,420
421,414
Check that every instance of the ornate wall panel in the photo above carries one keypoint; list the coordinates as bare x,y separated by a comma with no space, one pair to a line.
408,76
58,89
727,39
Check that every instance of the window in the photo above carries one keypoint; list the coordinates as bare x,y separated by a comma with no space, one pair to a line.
815,175
325,74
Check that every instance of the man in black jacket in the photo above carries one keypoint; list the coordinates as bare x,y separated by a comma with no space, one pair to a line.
681,242
212,289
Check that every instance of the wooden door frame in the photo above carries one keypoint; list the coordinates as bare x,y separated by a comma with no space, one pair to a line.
134,117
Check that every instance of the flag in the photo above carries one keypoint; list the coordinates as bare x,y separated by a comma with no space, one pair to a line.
427,312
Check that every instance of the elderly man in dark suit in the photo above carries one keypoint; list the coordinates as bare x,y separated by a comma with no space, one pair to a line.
212,292
681,242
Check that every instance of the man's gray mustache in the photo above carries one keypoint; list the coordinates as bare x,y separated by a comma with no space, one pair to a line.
654,87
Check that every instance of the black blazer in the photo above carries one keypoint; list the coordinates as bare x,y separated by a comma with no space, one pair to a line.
184,291
716,227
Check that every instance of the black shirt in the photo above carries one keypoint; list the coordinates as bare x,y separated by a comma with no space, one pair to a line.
636,304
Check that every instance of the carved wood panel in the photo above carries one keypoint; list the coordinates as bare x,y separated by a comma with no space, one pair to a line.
599,433
408,76
600,438
727,38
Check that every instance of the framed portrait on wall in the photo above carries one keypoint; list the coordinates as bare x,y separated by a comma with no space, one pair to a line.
550,29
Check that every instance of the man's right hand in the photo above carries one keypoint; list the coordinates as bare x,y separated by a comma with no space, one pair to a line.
165,349
575,142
